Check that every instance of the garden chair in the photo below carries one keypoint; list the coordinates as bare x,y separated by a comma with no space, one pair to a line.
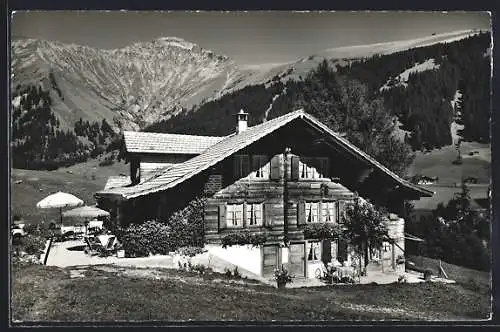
93,246
109,248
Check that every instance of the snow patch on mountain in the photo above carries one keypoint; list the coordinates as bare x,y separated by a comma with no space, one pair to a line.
455,128
367,50
402,79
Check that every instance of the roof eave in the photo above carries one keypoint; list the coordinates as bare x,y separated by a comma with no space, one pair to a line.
422,192
110,194
368,159
164,152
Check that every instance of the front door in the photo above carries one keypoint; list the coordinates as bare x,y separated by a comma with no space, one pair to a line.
326,251
296,260
342,251
270,254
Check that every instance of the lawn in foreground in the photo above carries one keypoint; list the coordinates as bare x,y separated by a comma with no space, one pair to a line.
43,293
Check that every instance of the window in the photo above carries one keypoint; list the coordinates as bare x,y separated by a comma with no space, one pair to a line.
312,212
254,214
307,171
314,168
329,212
241,166
260,167
313,251
234,215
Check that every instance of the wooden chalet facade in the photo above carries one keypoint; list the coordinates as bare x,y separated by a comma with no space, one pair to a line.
271,178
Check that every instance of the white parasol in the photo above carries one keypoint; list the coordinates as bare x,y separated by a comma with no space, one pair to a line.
59,200
86,212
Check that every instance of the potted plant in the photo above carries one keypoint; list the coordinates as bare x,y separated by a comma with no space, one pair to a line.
282,277
120,252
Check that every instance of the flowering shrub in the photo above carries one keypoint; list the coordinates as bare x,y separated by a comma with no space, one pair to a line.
28,250
322,231
243,238
201,269
43,231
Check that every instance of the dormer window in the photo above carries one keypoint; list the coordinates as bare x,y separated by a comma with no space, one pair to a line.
314,168
324,167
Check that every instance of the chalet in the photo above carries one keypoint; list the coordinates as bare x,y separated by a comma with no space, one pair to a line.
272,179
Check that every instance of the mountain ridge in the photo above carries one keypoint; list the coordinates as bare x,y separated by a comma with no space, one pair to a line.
142,83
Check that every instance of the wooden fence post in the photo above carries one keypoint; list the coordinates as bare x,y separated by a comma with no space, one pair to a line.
48,250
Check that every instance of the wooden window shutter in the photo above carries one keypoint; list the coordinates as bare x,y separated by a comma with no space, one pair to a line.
245,212
295,168
255,163
237,167
275,167
268,215
222,216
301,213
245,165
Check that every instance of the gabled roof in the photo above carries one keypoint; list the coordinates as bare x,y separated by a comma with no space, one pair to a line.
173,175
144,142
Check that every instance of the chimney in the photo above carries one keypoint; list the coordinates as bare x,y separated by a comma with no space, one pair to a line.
242,121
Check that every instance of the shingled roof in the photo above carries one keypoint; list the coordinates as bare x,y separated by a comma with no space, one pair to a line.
144,142
173,175
116,181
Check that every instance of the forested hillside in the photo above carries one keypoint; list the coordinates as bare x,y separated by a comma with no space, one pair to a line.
37,141
422,103
343,104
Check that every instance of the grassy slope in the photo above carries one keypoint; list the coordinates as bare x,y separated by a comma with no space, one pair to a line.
81,180
468,278
42,293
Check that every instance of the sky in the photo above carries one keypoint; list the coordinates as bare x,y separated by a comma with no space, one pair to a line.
249,38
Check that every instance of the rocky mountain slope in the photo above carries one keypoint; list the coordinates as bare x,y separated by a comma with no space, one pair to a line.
133,86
